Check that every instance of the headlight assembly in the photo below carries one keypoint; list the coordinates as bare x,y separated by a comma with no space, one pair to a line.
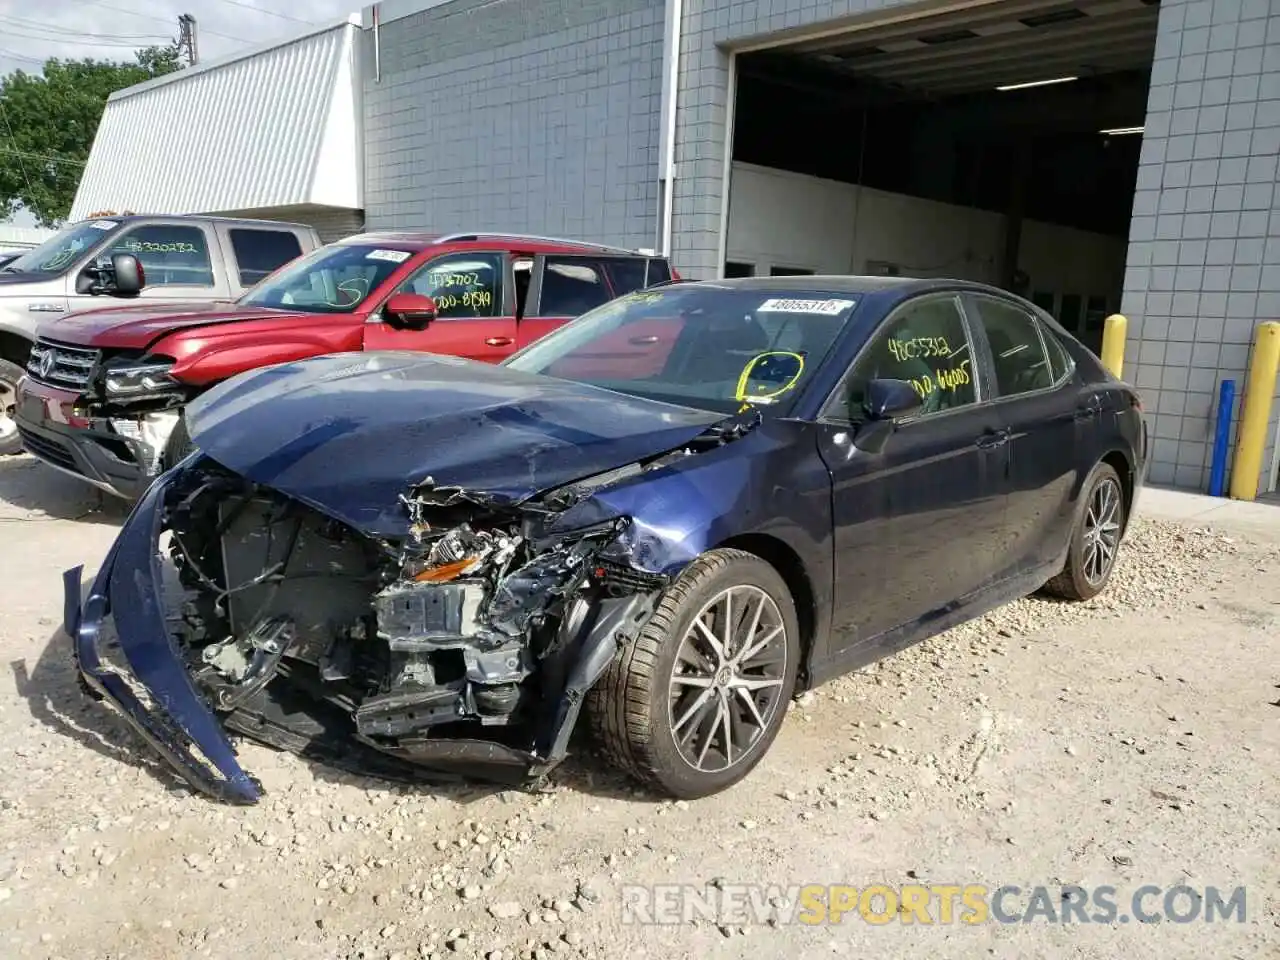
140,378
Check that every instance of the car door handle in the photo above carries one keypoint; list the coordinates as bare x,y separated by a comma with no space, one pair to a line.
992,439
499,341
642,341
1086,412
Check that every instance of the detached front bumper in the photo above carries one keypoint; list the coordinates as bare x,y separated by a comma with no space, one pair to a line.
128,588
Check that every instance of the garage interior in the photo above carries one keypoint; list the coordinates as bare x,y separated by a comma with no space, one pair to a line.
999,143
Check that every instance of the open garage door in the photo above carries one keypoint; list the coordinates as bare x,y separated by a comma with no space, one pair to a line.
999,144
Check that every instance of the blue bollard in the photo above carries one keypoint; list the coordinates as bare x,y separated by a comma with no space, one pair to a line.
1221,437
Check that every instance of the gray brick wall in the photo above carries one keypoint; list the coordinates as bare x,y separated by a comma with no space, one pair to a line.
540,117
1204,245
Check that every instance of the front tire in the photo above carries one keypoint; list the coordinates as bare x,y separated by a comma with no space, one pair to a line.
1095,539
10,441
695,701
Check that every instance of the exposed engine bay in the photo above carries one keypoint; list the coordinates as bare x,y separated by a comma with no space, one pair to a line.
471,641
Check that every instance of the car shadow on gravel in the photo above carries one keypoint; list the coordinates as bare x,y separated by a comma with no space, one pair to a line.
31,491
57,700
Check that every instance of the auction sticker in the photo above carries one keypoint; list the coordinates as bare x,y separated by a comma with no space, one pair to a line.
826,308
391,256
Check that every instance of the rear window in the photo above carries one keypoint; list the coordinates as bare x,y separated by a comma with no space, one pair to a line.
259,252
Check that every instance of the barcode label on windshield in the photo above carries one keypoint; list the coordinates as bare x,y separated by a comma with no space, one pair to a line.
391,256
827,308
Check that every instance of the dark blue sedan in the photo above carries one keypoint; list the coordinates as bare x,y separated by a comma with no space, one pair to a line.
674,512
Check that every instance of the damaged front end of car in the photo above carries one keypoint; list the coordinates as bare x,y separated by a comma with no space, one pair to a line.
464,646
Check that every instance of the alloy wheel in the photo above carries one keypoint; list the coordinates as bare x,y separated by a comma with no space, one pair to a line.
727,680
1101,531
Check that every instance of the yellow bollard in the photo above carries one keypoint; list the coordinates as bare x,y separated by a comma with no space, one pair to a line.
1259,389
1113,334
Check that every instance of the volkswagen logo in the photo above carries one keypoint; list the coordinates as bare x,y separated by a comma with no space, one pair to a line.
47,362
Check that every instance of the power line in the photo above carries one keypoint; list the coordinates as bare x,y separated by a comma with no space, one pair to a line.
24,24
20,56
46,157
104,44
158,19
4,115
270,13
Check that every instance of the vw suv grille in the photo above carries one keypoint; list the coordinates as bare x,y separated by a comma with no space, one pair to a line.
59,365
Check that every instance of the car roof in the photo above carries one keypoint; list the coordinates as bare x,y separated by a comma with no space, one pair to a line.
128,218
416,240
841,283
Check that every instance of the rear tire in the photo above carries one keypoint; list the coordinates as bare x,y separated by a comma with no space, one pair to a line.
10,442
675,713
1095,538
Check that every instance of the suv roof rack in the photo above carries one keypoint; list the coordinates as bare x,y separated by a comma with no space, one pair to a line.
501,235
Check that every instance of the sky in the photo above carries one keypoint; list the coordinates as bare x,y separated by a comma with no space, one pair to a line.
32,32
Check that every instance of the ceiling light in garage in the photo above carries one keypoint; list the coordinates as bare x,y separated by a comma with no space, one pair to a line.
1036,83
1120,131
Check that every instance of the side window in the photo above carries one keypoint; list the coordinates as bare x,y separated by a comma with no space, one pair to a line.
626,274
464,286
659,271
925,343
1021,363
260,252
171,255
1060,363
570,287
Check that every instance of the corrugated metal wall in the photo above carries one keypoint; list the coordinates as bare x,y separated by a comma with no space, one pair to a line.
276,128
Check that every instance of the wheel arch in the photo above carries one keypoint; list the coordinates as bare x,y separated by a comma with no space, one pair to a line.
14,347
1120,462
784,559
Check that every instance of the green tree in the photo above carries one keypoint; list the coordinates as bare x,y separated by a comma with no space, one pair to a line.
47,125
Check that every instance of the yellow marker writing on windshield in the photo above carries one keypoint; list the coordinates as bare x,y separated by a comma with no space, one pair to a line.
744,379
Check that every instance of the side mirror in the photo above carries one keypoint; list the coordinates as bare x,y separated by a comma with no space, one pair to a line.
891,399
409,311
121,276
129,276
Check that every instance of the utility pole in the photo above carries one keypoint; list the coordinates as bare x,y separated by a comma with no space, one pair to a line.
187,39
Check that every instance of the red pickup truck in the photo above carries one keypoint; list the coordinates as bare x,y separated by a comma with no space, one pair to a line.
104,390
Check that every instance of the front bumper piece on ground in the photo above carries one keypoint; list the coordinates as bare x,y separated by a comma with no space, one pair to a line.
186,732
128,589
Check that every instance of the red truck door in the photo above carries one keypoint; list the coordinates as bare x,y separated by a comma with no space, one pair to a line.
475,309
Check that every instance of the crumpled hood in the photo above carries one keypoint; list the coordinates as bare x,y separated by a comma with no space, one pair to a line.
349,433
140,323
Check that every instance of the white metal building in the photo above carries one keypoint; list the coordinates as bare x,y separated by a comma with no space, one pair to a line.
273,132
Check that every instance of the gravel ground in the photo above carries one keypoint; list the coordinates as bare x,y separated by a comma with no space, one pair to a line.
1126,741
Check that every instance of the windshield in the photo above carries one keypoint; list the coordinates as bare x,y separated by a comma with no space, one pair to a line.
701,346
63,248
333,279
